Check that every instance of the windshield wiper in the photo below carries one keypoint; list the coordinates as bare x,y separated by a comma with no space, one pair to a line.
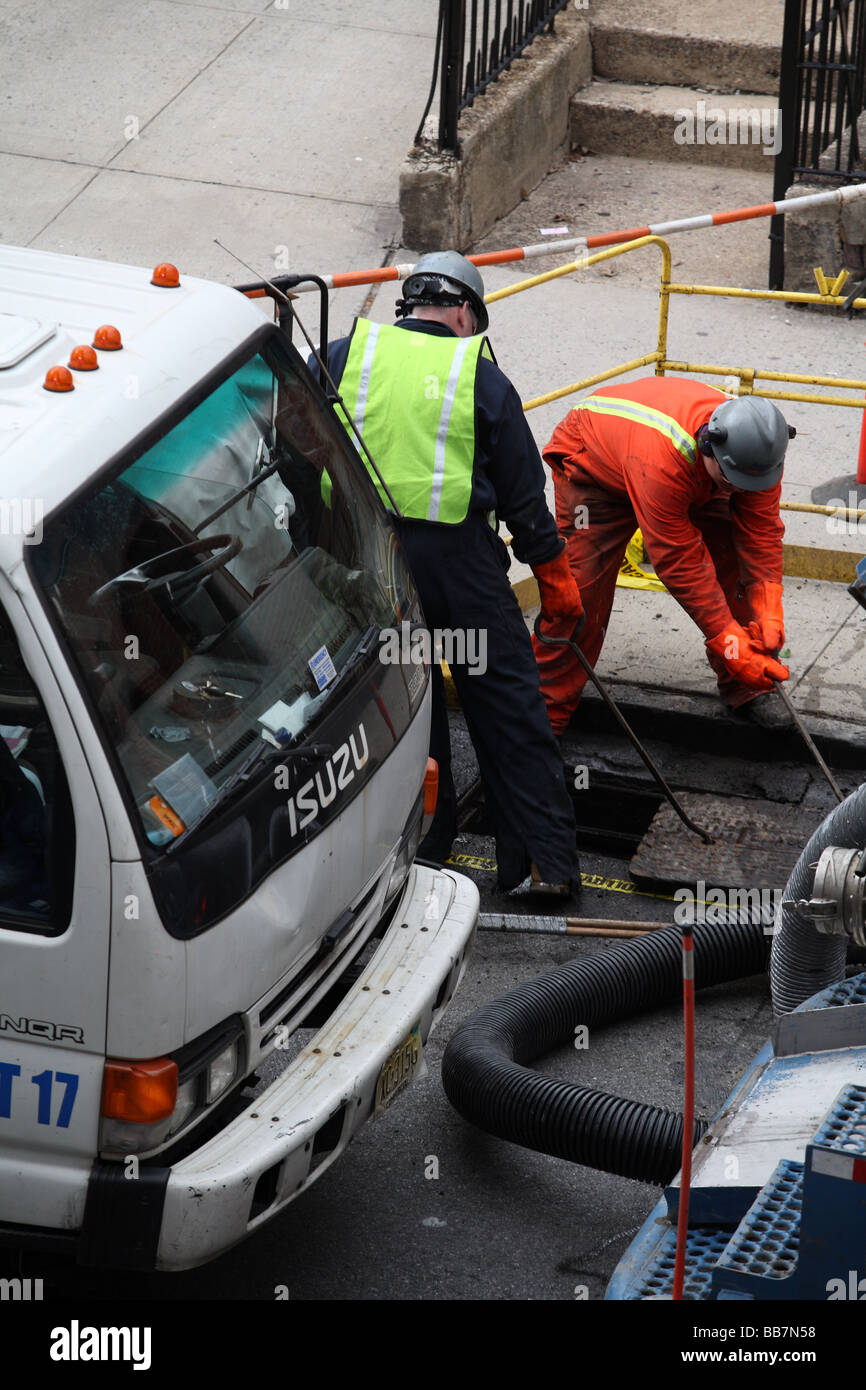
243,774
263,748
250,488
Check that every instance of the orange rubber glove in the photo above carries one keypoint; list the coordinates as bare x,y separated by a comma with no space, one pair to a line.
557,588
746,662
765,601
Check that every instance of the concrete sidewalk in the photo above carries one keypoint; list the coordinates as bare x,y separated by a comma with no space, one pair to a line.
140,133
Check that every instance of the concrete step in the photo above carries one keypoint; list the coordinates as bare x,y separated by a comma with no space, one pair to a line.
671,123
715,45
634,52
615,191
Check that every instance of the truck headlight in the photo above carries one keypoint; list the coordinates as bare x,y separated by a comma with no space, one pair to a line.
221,1073
407,849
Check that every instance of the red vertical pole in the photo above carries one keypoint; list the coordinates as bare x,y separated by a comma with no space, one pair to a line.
861,457
688,1110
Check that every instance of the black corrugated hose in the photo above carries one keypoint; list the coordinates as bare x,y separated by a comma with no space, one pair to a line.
487,1079
804,960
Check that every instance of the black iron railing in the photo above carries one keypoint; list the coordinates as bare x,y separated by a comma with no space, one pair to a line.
478,40
822,95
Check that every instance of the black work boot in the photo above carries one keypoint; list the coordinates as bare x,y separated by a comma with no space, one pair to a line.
768,712
539,887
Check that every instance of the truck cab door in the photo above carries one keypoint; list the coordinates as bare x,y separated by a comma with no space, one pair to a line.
54,940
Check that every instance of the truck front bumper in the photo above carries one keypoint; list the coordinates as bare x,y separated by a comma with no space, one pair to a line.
238,1180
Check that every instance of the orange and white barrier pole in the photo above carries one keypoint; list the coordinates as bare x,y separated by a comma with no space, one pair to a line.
380,274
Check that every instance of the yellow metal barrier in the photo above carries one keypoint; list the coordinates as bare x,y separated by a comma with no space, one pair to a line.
828,564
607,254
747,376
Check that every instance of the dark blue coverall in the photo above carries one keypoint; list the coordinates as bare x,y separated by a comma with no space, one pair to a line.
461,574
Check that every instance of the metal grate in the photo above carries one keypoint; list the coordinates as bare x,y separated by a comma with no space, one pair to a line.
844,1128
767,1240
851,991
827,87
703,1248
822,96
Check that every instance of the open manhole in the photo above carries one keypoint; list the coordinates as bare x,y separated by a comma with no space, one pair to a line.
612,819
755,843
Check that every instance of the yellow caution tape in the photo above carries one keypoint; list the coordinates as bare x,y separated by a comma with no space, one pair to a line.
620,885
598,881
471,861
632,575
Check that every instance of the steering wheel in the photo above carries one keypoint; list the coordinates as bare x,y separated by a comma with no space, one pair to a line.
180,583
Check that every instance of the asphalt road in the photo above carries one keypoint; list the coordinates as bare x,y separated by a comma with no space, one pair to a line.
424,1207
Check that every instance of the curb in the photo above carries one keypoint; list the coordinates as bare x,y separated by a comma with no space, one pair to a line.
702,721
699,721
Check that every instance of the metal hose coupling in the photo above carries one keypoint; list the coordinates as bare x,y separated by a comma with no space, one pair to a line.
838,903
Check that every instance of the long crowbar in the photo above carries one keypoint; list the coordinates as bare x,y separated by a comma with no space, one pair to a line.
794,716
808,740
623,722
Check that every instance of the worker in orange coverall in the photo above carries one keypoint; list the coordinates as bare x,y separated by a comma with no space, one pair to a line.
700,473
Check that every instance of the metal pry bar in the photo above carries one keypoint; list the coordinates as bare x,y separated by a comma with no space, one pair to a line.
624,724
808,740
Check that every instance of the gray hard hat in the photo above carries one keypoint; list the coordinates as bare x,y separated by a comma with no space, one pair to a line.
749,436
446,277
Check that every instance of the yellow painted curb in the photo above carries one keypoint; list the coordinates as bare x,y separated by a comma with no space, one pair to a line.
810,562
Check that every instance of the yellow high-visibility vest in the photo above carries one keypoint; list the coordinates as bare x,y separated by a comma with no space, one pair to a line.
412,397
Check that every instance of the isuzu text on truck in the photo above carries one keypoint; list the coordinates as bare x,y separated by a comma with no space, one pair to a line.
211,785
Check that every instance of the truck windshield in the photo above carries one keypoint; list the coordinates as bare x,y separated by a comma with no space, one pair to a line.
214,592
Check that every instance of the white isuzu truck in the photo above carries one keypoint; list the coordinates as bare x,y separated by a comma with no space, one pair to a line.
211,785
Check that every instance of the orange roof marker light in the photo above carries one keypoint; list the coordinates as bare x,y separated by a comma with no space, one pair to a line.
58,379
107,338
166,275
83,359
139,1091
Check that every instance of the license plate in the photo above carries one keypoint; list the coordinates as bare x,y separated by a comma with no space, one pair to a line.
401,1069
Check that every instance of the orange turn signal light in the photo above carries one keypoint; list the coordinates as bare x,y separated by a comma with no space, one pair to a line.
107,338
431,786
58,379
139,1091
166,275
83,358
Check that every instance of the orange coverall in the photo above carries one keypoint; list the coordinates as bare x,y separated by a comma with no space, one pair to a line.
707,543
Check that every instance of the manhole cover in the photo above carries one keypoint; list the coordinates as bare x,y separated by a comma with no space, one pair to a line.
755,843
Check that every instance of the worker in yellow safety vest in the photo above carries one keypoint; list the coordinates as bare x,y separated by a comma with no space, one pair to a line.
447,431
